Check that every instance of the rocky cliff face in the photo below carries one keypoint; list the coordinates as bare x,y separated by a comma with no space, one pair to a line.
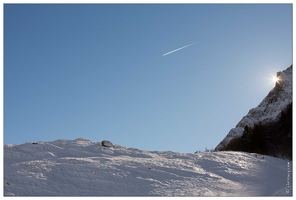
268,110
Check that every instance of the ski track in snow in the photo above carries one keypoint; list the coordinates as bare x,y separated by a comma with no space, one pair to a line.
84,168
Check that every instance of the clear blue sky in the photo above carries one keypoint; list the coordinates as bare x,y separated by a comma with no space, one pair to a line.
98,71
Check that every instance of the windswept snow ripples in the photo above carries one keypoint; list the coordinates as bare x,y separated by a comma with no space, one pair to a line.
84,168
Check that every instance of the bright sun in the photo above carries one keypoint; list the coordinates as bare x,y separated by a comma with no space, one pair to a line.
275,79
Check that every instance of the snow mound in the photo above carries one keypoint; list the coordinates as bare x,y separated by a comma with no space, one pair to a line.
268,110
84,168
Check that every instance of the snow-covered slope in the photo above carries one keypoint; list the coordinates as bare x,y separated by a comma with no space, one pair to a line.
82,167
268,110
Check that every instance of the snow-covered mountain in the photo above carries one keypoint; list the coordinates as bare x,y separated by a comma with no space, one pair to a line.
268,110
84,168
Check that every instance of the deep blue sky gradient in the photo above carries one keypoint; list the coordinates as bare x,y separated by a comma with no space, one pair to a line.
97,71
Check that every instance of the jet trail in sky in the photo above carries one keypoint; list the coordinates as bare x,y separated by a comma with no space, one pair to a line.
178,49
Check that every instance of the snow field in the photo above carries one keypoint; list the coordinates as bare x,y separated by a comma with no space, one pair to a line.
84,168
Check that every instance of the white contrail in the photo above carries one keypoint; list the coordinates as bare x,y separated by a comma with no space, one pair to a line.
179,49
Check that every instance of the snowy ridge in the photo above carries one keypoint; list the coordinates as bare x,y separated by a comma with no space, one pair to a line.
268,110
84,168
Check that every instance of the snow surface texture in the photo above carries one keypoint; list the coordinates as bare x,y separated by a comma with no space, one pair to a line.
268,110
84,168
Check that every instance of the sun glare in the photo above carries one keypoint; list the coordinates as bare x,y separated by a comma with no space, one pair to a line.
275,79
